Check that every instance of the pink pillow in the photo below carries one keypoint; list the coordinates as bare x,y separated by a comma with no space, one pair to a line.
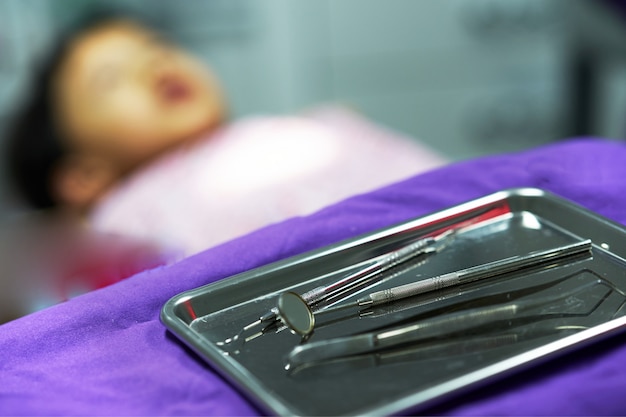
258,171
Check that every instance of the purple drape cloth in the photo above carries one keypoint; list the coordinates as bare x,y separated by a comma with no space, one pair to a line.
107,353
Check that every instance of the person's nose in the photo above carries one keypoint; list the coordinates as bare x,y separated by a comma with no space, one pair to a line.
151,65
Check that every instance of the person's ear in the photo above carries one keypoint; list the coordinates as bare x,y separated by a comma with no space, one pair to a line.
80,180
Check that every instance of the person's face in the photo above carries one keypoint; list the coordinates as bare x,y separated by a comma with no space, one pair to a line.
125,94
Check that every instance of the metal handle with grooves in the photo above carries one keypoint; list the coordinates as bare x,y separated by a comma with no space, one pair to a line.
475,273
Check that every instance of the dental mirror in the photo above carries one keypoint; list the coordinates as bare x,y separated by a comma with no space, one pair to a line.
295,313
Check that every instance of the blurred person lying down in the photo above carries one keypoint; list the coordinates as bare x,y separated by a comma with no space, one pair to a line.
130,134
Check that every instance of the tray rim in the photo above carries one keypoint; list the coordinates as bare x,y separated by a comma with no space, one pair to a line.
253,390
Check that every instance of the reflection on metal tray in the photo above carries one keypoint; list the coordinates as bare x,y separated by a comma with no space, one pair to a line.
371,359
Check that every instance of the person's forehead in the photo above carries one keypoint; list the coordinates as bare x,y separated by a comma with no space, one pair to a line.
105,43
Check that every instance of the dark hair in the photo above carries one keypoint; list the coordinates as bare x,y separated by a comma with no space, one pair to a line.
34,146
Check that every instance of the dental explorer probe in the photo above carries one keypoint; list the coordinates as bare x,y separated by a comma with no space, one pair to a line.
471,274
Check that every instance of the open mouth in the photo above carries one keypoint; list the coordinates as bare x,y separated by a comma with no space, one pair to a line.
173,89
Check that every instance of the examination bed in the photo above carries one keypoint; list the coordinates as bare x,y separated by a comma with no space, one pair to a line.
107,352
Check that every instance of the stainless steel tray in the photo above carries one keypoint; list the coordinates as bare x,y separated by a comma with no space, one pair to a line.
585,301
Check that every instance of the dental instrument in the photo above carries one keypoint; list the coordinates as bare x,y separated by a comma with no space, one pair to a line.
496,268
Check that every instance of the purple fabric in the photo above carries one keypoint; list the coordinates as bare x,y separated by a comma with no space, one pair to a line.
107,353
